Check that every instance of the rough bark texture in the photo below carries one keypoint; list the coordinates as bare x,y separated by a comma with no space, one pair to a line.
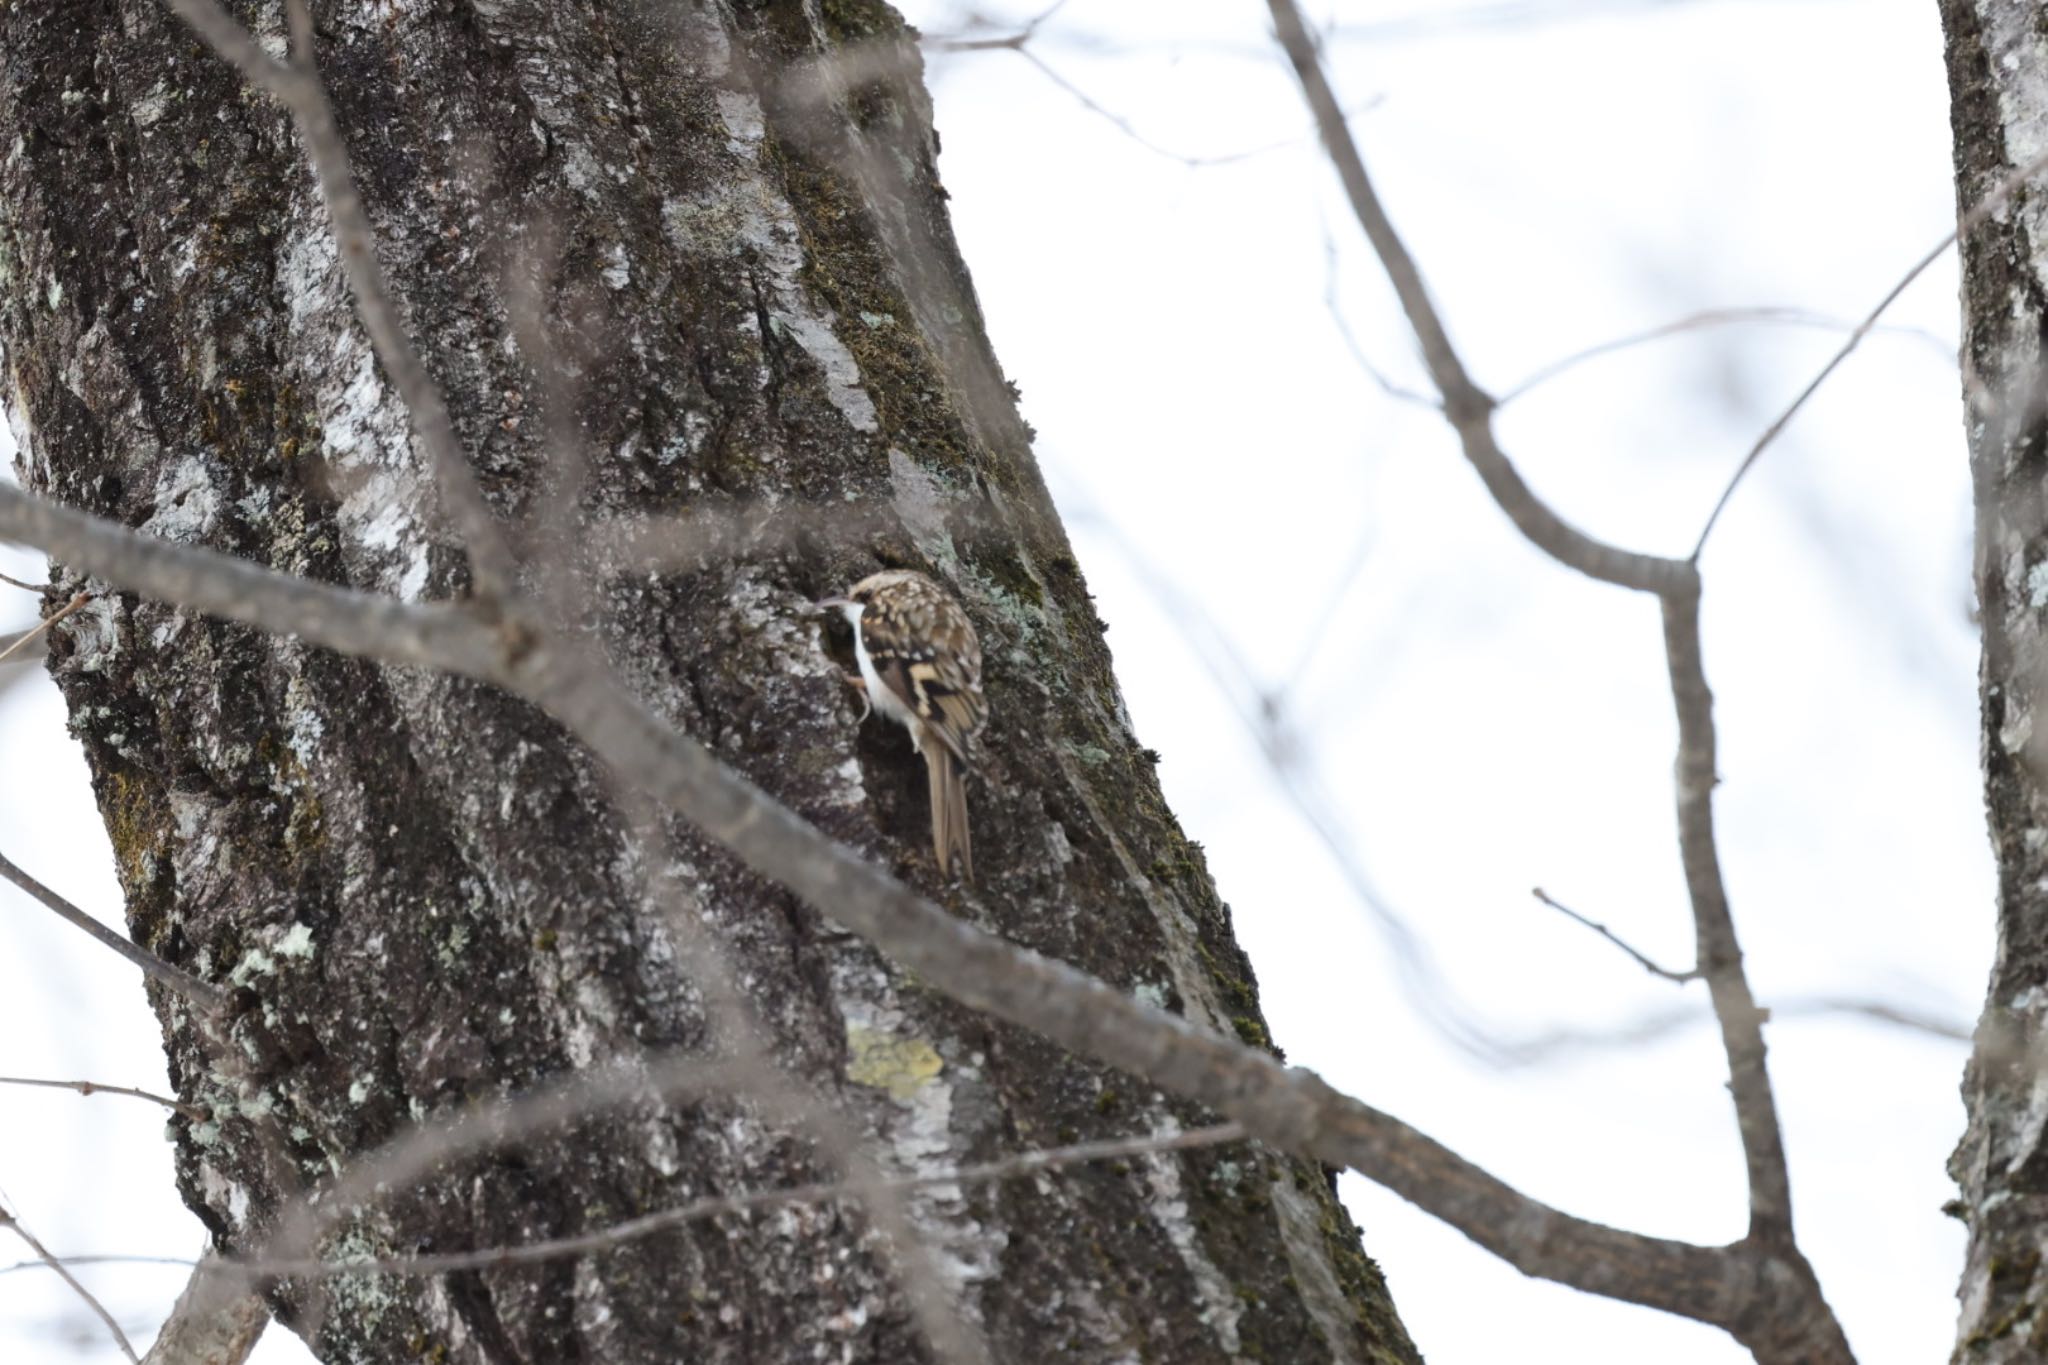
421,890
1998,83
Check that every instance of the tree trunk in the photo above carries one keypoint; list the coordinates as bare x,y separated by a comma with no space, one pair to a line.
421,890
1998,86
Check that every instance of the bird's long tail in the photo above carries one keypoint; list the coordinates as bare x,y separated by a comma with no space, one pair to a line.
949,810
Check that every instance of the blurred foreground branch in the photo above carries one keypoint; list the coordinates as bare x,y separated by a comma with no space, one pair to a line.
202,1330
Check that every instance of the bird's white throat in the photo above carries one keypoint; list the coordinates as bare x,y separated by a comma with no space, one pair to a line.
880,695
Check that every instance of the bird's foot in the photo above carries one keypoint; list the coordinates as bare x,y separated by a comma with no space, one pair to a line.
859,684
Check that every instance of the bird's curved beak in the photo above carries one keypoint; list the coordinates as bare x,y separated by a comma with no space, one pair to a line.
831,603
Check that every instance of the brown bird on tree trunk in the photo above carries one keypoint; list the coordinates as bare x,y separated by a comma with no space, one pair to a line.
920,665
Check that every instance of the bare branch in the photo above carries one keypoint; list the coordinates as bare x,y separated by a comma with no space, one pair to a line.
210,998
420,1148
13,1224
1718,954
1641,960
202,1331
40,589
1797,1324
1466,406
1982,210
211,1003
193,1112
240,47
1288,1107
35,632
25,646
443,637
1676,582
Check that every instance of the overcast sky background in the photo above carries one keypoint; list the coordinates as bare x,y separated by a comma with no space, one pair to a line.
1474,720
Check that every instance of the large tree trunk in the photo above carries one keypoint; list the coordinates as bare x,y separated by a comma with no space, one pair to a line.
422,889
1998,84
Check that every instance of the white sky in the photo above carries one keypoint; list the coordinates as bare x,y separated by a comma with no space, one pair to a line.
1481,720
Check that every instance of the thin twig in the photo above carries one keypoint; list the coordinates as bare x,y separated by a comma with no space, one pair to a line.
1982,210
31,646
193,1112
1334,306
1019,43
19,1266
1005,1168
211,1005
419,1149
1699,321
1883,1011
1425,21
35,632
40,589
1641,960
13,1224
1130,130
1651,1027
209,997
1421,981
1006,42
697,1210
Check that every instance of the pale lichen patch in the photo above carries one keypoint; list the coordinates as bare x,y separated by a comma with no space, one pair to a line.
255,962
1169,1208
297,941
2016,731
751,221
921,504
1301,1233
95,634
187,503
901,1066
2037,585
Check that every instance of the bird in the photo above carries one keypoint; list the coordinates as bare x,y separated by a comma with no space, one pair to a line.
920,665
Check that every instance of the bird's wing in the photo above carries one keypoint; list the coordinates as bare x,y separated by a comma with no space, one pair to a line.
953,713
924,650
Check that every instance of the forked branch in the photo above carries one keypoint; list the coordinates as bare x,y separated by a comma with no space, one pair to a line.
1809,1331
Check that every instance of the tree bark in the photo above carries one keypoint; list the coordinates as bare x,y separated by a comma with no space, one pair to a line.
1998,86
421,891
